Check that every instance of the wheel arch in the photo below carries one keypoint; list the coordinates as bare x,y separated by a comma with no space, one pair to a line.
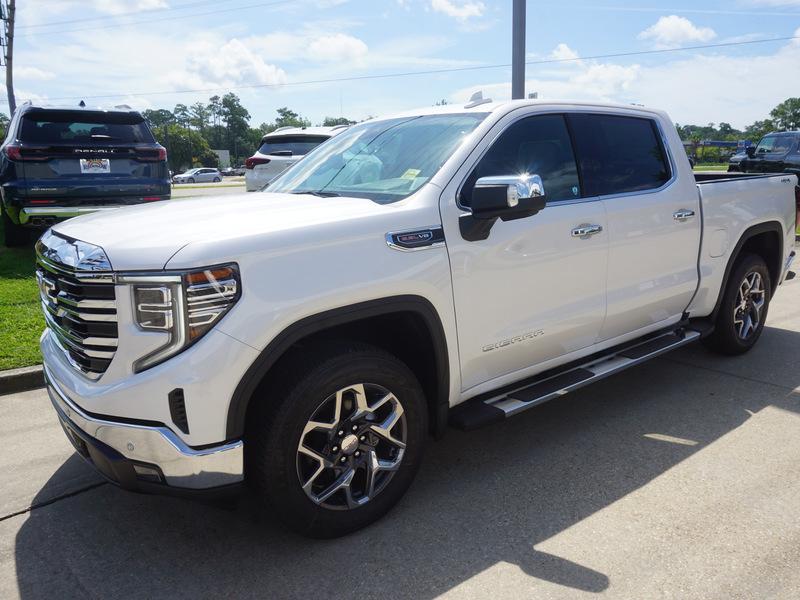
764,239
413,332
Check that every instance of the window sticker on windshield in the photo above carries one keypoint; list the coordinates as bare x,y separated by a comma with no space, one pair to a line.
91,166
410,174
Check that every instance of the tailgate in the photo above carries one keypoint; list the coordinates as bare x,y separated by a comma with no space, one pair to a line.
92,174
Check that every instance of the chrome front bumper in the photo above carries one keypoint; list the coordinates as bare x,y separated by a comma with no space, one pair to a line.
136,448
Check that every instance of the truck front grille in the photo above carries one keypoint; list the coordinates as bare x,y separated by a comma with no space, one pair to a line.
79,307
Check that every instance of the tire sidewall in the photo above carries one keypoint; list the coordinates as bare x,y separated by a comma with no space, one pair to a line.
285,491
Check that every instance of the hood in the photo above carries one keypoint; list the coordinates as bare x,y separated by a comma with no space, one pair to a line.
146,236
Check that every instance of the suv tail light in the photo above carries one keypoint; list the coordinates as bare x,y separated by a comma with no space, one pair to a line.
17,152
251,162
157,154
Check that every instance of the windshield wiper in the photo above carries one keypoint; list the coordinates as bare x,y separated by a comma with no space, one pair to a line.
318,193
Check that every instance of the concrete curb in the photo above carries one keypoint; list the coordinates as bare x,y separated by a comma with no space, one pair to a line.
21,380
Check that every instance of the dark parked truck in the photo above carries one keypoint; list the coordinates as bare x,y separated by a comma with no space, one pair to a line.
58,163
775,153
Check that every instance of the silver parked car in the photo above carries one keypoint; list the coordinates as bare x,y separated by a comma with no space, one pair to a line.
200,175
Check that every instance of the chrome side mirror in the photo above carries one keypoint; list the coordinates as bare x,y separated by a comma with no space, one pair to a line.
504,197
517,187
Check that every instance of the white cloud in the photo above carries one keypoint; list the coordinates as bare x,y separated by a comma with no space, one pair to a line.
33,73
210,65
337,47
459,9
563,52
309,45
674,31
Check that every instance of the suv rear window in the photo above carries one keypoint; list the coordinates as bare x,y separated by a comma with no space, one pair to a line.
298,145
83,127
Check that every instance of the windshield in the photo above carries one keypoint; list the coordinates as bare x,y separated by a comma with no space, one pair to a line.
775,143
296,145
384,161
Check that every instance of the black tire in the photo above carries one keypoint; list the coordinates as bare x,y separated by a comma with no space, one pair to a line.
726,338
13,234
276,426
190,180
217,180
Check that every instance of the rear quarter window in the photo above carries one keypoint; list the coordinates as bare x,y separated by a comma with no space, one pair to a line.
619,154
84,127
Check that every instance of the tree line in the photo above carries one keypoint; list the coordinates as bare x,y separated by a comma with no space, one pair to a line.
784,117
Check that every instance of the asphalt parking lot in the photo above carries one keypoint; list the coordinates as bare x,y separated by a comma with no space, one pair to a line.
677,479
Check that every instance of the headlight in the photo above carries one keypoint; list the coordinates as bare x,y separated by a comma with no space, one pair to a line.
183,305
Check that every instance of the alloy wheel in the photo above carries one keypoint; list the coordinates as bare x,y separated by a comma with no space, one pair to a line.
750,301
352,446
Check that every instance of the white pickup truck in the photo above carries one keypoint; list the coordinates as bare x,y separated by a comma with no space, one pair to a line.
451,265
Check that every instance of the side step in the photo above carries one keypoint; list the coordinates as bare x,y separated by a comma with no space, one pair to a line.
479,412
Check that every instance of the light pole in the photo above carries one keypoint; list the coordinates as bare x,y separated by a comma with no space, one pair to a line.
518,51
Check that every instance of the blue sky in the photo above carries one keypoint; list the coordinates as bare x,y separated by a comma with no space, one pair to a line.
143,52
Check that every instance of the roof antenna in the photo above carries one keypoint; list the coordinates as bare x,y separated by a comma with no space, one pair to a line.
82,104
477,99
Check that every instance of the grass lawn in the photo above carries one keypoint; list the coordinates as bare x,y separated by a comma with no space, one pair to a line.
21,321
713,167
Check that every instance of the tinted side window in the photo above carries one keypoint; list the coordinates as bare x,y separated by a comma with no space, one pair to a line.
618,154
537,145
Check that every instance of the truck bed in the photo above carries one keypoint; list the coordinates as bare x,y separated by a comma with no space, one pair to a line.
731,204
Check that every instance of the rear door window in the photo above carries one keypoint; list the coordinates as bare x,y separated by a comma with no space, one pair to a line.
295,145
83,127
618,154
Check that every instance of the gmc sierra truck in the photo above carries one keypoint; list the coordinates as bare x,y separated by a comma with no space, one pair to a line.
455,265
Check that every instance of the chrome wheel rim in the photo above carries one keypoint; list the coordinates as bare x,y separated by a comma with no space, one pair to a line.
750,300
352,446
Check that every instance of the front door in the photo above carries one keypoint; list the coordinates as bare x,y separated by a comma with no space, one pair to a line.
534,290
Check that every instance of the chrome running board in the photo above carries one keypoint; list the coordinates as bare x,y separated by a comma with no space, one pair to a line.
482,411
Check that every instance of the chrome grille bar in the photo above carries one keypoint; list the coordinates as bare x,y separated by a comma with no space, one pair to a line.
78,302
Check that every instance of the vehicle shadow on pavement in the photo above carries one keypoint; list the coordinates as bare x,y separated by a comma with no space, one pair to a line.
482,499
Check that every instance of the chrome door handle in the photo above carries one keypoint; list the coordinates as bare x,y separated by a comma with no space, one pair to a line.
682,214
584,231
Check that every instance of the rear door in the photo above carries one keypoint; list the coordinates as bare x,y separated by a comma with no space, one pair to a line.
654,221
90,156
